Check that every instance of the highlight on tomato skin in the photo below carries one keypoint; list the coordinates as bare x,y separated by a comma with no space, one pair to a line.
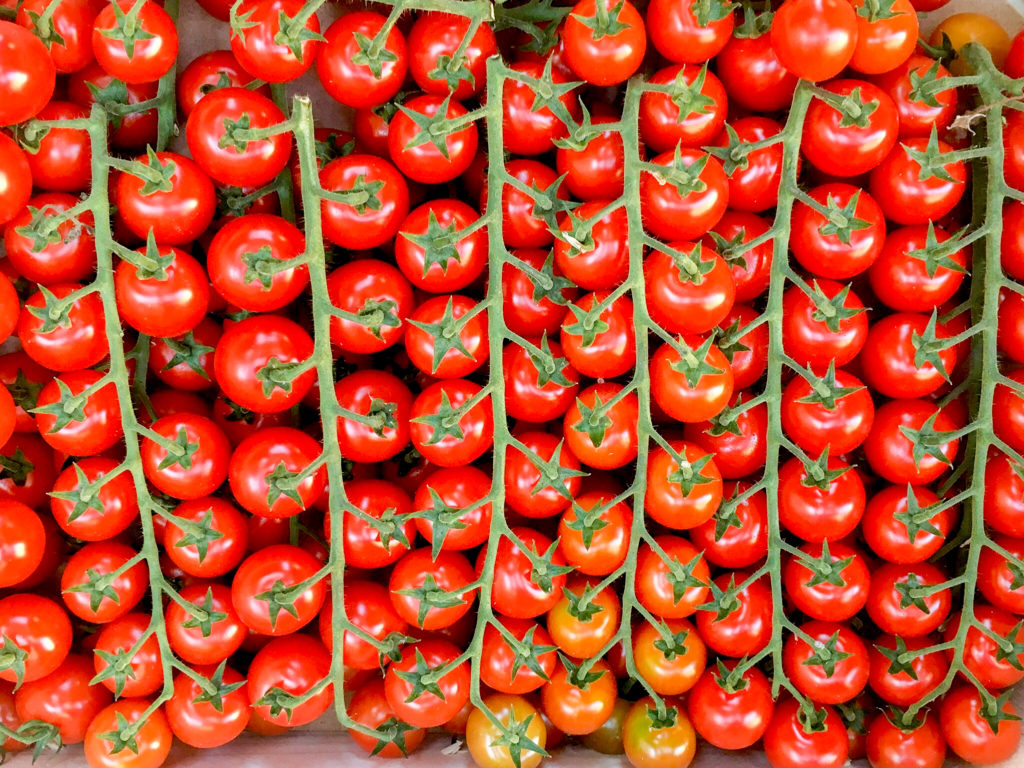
637,376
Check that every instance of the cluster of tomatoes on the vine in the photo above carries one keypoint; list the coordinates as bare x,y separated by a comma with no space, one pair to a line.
208,538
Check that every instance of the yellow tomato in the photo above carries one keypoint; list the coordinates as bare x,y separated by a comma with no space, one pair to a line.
964,28
482,733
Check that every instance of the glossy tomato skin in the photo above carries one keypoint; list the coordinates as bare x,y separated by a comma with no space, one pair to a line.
604,59
100,425
884,41
813,425
35,473
789,744
195,642
906,282
458,488
357,392
850,673
995,578
355,227
532,494
198,474
678,33
204,724
260,456
981,656
750,267
285,564
704,398
250,345
519,589
206,72
427,709
731,719
815,340
440,444
838,596
483,737
41,629
240,164
459,269
64,698
116,498
609,543
681,301
29,74
836,147
144,675
654,579
890,452
814,39
436,35
843,254
451,572
897,615
672,213
889,357
175,215
80,343
367,606
520,228
663,124
264,57
164,303
101,558
608,349
608,446
370,708
889,536
294,664
364,546
903,684
229,266
67,253
152,55
16,177
969,735
818,509
496,668
527,131
737,536
652,744
753,75
904,196
747,629
755,178
354,84
216,557
573,635
690,501
918,115
890,746
425,162
595,169
153,738
592,250
22,541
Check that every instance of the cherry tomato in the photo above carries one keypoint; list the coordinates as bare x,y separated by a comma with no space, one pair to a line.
350,72
152,739
36,636
731,713
976,732
294,664
815,40
29,75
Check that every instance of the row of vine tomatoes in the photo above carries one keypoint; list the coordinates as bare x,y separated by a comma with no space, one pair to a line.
249,432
